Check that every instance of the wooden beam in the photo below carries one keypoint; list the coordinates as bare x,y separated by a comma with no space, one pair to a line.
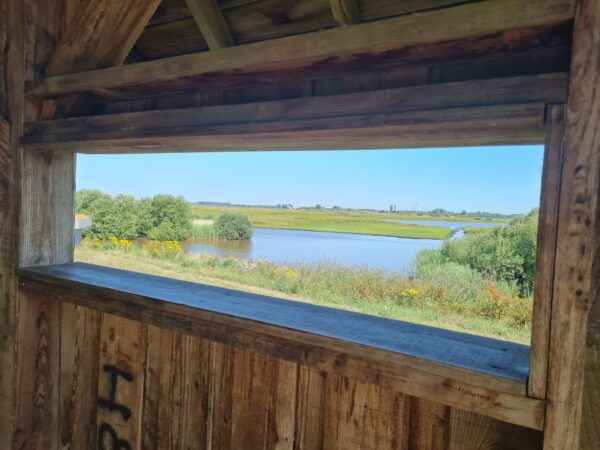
12,79
575,333
502,26
546,251
101,34
210,129
345,12
394,107
211,23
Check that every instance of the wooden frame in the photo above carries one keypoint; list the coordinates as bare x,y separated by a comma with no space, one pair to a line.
504,123
546,251
78,50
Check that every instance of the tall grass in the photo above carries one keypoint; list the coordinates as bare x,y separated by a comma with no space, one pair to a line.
203,231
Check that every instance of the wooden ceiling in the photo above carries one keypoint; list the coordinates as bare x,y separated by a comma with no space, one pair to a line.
169,55
173,30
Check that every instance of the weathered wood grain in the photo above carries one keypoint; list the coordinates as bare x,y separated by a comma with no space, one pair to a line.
488,125
39,373
404,40
577,280
471,431
548,88
12,57
100,34
176,392
199,394
47,211
32,32
220,403
429,425
272,19
365,416
212,24
79,354
305,340
590,423
4,164
345,12
310,409
546,251
263,401
120,382
379,9
171,39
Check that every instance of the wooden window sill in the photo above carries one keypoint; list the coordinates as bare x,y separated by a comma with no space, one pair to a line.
479,374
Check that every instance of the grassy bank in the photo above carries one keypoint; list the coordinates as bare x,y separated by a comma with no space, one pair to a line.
336,221
448,296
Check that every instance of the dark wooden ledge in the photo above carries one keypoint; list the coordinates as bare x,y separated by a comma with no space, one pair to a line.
484,375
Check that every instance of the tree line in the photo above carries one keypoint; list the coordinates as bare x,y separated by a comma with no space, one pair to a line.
161,217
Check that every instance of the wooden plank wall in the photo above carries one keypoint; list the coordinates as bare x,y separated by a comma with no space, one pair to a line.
123,384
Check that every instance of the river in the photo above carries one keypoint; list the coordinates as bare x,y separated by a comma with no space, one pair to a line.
443,223
293,247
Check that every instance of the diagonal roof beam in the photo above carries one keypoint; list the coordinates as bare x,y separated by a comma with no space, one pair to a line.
345,12
101,34
486,27
211,23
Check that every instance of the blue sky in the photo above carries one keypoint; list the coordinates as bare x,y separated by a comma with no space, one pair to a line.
497,179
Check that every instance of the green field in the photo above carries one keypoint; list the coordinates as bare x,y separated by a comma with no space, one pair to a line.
337,221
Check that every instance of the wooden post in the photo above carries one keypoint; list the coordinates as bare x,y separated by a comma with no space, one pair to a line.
546,250
12,18
577,281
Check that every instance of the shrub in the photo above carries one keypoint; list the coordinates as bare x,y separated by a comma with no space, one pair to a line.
162,217
502,254
86,198
233,226
165,218
113,218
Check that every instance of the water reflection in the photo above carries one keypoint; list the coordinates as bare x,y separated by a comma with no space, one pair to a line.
293,246
442,223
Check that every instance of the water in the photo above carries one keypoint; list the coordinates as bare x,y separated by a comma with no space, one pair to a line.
293,246
79,226
443,223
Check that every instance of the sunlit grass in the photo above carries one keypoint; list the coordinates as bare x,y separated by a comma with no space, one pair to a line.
338,221
447,298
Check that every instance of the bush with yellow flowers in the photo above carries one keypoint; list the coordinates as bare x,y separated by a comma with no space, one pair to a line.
112,243
162,249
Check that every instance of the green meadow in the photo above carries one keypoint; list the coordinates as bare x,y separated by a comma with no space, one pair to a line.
336,221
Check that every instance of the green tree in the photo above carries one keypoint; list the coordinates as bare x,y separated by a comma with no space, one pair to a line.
233,226
116,217
503,253
165,217
86,198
